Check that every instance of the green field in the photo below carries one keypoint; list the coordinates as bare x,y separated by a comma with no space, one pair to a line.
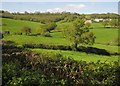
16,25
56,40
103,35
37,39
79,55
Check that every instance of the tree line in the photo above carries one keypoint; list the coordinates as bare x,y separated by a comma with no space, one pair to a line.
55,17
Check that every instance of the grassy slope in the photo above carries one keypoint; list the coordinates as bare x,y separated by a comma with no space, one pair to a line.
16,25
103,36
36,39
80,55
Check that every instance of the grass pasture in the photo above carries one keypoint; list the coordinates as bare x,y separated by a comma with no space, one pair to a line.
79,55
16,25
104,36
21,39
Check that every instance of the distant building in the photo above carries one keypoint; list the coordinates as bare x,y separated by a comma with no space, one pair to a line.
98,20
107,20
102,20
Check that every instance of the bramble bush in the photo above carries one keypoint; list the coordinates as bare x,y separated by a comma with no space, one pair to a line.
27,68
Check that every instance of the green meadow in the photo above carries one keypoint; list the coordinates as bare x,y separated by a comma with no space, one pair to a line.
79,55
105,38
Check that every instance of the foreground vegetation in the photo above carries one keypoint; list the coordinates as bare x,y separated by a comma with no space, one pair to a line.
23,67
45,49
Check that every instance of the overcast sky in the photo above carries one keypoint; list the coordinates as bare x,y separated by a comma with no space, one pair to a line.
79,7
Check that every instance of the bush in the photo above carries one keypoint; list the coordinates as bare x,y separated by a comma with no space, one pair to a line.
8,43
63,47
47,34
93,50
27,30
45,46
26,68
18,33
6,32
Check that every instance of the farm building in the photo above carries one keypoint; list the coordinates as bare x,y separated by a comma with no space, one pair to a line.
101,20
98,20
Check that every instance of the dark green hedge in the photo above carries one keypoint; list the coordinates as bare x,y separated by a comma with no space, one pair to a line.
63,47
46,46
26,68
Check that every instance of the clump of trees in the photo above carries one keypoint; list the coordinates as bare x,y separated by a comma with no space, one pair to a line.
36,16
105,23
49,26
113,23
70,18
46,29
79,34
27,30
104,16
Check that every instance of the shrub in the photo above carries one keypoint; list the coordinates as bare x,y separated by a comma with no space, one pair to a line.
8,43
63,47
45,46
93,50
6,32
47,34
18,33
26,68
27,30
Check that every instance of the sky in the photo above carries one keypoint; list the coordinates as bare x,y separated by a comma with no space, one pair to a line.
79,7
60,0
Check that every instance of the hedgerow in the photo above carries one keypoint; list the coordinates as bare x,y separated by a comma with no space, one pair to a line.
27,68
63,47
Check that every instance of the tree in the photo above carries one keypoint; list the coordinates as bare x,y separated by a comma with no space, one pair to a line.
49,26
114,22
42,30
88,24
70,18
79,34
26,30
105,23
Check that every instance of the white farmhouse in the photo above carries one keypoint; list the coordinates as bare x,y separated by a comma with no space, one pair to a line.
98,20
